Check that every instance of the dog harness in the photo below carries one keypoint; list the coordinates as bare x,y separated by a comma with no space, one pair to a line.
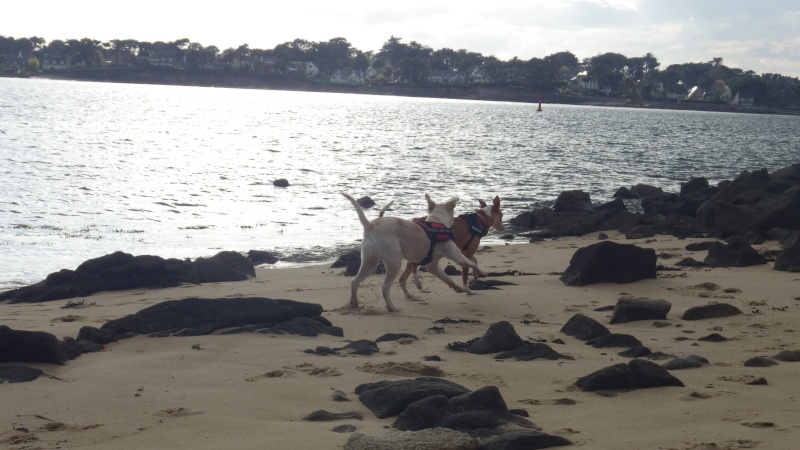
477,228
436,233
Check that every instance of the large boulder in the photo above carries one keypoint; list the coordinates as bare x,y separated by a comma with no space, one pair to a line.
390,398
711,311
788,259
629,309
637,374
30,346
500,337
609,262
736,253
584,328
576,201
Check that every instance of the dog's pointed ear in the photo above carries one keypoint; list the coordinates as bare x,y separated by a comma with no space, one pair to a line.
496,202
431,203
482,203
451,204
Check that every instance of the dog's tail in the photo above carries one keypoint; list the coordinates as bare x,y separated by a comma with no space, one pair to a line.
383,210
361,216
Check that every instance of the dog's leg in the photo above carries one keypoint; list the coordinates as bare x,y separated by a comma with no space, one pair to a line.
433,267
417,283
392,269
465,273
368,266
410,267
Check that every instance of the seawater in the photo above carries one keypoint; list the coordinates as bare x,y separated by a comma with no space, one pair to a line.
185,172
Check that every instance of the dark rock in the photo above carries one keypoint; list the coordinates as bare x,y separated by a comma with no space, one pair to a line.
339,396
308,326
90,346
390,398
258,257
637,374
699,246
530,352
712,311
629,309
693,185
366,202
18,374
281,182
645,190
324,416
610,262
193,316
737,253
30,346
431,358
660,324
362,347
344,428
614,340
396,337
98,335
759,361
324,351
658,356
602,236
776,234
713,337
351,261
523,440
788,259
788,356
760,381
451,270
635,352
576,201
690,262
689,362
626,193
429,439
71,348
500,337
480,409
584,328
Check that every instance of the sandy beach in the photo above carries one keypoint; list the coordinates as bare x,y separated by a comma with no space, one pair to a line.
252,391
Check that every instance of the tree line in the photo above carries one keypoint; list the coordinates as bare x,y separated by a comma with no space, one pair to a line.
616,74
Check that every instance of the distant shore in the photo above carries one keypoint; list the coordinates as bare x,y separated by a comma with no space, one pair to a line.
484,92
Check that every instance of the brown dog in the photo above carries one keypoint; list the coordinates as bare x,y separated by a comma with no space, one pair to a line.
468,229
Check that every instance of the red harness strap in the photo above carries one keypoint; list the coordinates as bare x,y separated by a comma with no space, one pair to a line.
436,233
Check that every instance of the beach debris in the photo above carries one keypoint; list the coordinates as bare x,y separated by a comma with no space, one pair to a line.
396,337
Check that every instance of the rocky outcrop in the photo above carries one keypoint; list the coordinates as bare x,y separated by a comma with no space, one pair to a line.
122,271
736,253
30,346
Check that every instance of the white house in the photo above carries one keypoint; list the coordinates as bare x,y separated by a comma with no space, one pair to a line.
582,82
55,62
447,76
306,69
347,76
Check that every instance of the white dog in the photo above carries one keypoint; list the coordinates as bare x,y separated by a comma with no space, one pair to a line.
392,239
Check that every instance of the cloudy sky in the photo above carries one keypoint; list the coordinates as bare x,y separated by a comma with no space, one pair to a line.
763,36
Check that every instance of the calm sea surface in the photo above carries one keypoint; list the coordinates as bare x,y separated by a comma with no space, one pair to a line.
92,168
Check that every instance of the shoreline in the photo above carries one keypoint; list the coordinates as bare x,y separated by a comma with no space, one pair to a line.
254,389
207,78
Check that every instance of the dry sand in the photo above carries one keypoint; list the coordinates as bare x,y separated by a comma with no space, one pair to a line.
252,390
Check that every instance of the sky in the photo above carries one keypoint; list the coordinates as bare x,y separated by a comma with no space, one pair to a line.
762,36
